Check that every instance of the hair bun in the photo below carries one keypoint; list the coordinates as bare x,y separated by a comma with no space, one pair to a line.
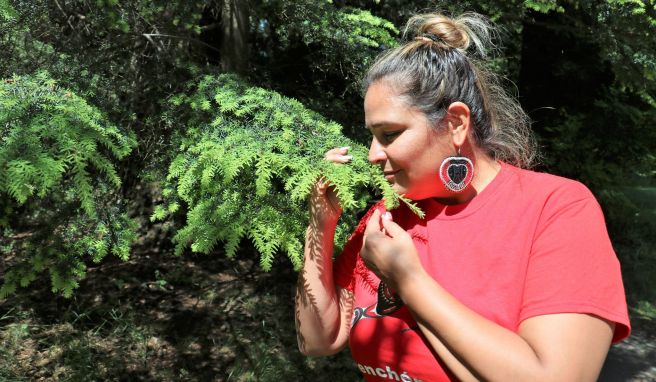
450,33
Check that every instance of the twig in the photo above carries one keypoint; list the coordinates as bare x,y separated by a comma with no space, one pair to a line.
149,36
68,20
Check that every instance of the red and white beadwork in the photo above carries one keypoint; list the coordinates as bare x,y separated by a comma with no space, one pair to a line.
456,173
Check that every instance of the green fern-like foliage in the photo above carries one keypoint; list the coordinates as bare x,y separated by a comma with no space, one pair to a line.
247,165
57,184
6,11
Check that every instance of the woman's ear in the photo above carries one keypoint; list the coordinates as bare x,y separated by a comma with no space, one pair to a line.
458,119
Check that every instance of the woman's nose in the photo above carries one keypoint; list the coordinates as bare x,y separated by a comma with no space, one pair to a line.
376,152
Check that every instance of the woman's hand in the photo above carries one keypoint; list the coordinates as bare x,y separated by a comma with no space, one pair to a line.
388,250
324,204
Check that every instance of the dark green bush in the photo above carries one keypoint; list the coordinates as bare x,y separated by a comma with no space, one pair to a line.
58,205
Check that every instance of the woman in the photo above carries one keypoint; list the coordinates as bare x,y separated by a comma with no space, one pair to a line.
510,277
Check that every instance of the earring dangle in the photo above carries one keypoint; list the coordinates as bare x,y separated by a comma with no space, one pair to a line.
456,172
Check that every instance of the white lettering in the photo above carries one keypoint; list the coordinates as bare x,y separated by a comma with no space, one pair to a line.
387,373
390,372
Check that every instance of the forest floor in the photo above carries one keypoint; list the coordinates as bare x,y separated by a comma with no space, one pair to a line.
633,359
158,317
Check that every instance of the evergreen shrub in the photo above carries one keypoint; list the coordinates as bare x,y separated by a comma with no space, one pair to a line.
246,164
58,184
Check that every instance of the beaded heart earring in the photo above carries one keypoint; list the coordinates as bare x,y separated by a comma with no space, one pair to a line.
456,172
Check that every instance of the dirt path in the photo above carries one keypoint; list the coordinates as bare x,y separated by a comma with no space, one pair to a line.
634,359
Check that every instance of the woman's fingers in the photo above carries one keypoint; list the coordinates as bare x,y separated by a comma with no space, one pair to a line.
391,229
323,195
374,232
338,155
373,225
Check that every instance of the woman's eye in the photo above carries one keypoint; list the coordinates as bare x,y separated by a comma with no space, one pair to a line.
391,135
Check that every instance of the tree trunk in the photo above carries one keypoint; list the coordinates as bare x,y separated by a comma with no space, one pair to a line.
234,40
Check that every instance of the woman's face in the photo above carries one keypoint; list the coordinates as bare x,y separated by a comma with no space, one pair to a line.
404,145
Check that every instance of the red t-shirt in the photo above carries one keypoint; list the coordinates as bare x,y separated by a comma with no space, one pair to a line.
529,244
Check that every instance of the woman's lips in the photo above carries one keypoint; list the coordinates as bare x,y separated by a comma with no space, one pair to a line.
390,174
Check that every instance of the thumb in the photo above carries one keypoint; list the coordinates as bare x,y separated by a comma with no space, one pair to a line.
392,228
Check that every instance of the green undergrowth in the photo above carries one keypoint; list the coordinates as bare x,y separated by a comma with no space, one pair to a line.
645,310
163,318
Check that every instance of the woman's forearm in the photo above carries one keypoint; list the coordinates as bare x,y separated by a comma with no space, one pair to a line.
478,348
450,360
319,318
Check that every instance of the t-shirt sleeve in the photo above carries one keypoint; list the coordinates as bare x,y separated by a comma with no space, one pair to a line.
572,266
344,267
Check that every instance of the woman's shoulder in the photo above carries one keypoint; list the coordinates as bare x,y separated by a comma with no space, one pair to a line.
548,186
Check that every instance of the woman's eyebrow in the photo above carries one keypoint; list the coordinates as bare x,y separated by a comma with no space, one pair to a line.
382,124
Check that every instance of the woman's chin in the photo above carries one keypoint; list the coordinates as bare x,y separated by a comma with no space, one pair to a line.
398,188
403,191
412,194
